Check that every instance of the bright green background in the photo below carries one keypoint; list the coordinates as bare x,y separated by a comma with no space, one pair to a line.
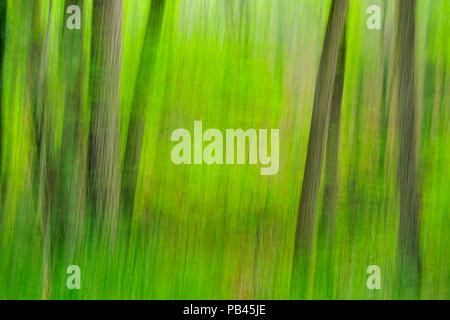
225,231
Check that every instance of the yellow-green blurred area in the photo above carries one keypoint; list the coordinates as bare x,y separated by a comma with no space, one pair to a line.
214,231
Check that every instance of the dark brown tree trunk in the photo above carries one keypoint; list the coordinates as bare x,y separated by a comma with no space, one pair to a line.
2,54
408,234
317,137
330,193
104,127
138,109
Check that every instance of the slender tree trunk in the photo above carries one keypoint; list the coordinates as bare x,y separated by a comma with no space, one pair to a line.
47,163
317,137
2,54
138,109
408,234
329,203
36,52
73,164
330,193
104,127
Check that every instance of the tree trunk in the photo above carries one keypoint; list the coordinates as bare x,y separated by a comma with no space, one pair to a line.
73,152
104,126
2,54
408,234
140,101
317,136
330,193
47,166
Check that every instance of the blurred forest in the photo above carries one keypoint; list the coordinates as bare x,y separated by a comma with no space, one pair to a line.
86,176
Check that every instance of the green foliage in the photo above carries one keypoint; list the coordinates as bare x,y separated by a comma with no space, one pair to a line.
219,231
